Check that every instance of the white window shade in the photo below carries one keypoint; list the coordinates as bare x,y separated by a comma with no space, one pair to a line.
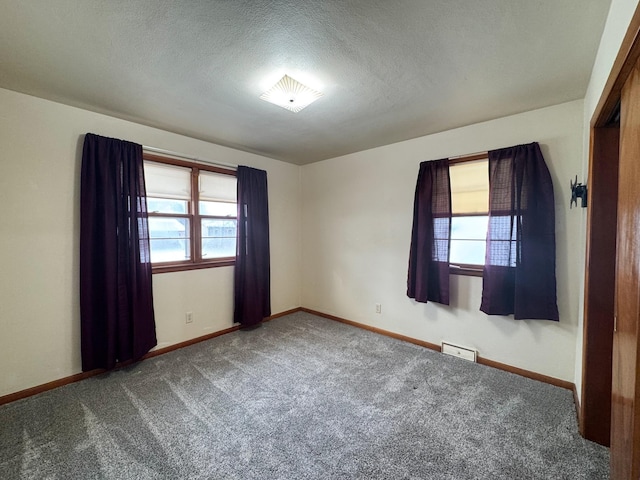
217,187
470,187
167,181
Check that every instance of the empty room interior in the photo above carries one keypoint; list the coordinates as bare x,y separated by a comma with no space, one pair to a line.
322,190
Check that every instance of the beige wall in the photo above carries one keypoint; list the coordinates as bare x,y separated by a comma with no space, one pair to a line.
620,14
615,28
39,241
356,231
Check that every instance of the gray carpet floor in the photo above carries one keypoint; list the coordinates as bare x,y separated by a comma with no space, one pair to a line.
301,397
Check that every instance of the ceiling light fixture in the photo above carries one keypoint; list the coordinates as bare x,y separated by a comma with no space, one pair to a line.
291,94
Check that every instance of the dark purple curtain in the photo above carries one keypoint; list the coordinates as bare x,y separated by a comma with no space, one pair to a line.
252,288
519,275
428,278
116,300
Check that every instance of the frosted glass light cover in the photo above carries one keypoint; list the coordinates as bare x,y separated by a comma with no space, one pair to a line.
291,94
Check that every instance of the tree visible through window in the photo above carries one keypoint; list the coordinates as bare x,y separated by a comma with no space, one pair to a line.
192,214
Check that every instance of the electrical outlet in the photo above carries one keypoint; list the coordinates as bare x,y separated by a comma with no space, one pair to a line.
378,308
189,317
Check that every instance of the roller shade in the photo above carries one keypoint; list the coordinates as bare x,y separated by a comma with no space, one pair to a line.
167,181
470,187
217,187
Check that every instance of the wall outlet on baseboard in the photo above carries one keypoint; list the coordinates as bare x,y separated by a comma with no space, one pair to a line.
460,352
378,308
189,317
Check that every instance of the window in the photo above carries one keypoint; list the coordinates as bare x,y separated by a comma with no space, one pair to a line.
469,211
192,214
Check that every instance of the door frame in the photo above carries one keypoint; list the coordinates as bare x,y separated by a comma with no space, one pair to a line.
599,285
594,411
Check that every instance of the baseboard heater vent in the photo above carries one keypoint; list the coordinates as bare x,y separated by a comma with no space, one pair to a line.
458,351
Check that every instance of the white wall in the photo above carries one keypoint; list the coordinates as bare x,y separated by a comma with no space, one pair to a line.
620,14
39,240
356,232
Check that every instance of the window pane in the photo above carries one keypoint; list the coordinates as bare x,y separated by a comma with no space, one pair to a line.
504,248
470,187
166,205
167,181
468,239
218,238
217,187
441,228
169,239
469,228
219,209
169,250
468,251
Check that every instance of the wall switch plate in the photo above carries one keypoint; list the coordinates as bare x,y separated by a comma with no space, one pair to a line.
189,317
378,308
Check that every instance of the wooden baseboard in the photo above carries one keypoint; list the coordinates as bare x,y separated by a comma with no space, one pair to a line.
160,351
283,314
576,401
12,397
526,373
483,361
386,333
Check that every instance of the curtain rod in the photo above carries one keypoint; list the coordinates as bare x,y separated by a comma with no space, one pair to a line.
476,154
188,157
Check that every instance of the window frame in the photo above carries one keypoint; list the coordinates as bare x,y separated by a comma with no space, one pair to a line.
467,269
196,261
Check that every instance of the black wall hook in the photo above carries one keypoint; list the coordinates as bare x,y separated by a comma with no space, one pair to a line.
578,191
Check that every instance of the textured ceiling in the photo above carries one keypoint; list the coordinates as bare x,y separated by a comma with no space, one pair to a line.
389,70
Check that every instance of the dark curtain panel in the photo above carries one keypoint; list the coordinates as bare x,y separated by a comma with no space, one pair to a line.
428,278
252,288
116,300
520,267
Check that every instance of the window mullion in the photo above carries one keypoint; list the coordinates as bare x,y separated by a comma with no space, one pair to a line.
196,244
